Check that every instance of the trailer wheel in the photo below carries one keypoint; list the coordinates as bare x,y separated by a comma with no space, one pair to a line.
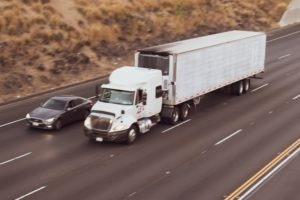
173,119
246,85
132,134
237,88
184,112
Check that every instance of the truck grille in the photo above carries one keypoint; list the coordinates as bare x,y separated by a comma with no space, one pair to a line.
101,124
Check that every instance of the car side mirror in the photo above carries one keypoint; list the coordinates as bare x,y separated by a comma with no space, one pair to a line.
68,109
98,90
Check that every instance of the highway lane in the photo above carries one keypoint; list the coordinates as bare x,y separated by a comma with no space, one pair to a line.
183,163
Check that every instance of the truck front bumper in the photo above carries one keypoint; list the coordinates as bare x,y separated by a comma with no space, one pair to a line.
119,136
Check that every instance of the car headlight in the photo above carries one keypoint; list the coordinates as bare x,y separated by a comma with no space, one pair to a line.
119,127
27,116
49,121
88,123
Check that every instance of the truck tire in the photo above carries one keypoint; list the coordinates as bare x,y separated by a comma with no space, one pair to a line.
246,85
173,119
132,134
184,111
237,88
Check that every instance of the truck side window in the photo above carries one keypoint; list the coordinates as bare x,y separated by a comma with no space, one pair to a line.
158,91
139,96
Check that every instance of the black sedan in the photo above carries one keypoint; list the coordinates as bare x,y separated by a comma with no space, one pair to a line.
59,111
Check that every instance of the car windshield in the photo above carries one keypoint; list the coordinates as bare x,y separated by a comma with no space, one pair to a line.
54,104
117,96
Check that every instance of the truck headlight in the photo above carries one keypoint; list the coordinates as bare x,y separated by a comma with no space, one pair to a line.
49,121
27,116
119,127
88,123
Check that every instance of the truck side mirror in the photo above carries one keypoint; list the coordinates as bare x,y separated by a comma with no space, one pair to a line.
98,90
144,98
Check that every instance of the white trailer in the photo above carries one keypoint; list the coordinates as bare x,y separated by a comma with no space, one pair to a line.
194,67
168,80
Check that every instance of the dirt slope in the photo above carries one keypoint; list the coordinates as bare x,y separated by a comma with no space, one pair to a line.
50,43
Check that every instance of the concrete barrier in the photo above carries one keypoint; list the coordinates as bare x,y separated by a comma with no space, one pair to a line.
292,15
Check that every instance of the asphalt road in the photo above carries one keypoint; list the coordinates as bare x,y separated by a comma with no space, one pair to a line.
226,141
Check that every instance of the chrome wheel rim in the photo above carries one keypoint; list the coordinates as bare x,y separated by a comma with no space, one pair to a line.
131,135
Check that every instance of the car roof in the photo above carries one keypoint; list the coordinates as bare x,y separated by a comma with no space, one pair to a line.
66,97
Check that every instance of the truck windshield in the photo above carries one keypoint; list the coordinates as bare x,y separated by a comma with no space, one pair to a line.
117,96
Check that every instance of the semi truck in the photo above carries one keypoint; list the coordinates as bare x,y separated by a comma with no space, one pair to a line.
168,81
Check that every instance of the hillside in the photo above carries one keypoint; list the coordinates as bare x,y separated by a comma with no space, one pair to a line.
50,43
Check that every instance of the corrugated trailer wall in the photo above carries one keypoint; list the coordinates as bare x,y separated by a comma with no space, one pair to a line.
201,71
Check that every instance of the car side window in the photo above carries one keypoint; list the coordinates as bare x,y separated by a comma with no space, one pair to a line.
77,102
71,104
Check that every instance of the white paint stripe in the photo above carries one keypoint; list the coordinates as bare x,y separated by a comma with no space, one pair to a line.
176,126
230,136
285,56
30,193
294,33
265,85
16,158
280,166
93,97
9,123
296,97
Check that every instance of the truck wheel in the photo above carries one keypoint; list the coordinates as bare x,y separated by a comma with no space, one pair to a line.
58,124
175,116
184,112
131,134
246,85
237,88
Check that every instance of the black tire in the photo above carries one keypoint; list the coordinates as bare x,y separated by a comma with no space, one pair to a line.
246,85
174,118
132,134
58,125
237,88
184,112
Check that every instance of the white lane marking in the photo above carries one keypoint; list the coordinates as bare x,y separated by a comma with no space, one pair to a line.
271,173
265,85
16,158
186,121
230,136
294,33
296,97
30,193
132,194
285,56
13,122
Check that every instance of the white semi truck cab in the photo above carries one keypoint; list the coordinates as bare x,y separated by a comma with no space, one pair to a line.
129,104
169,80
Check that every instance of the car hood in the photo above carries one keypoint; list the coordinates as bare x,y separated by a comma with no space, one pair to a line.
45,113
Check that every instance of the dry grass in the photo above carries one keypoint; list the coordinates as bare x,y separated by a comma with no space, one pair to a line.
44,49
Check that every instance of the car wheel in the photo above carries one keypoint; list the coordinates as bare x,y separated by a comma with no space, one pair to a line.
58,124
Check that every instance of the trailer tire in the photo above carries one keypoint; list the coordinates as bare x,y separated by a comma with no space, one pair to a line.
132,134
173,119
237,88
246,85
184,111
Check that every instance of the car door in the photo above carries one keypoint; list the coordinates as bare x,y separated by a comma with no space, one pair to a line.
70,112
80,108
